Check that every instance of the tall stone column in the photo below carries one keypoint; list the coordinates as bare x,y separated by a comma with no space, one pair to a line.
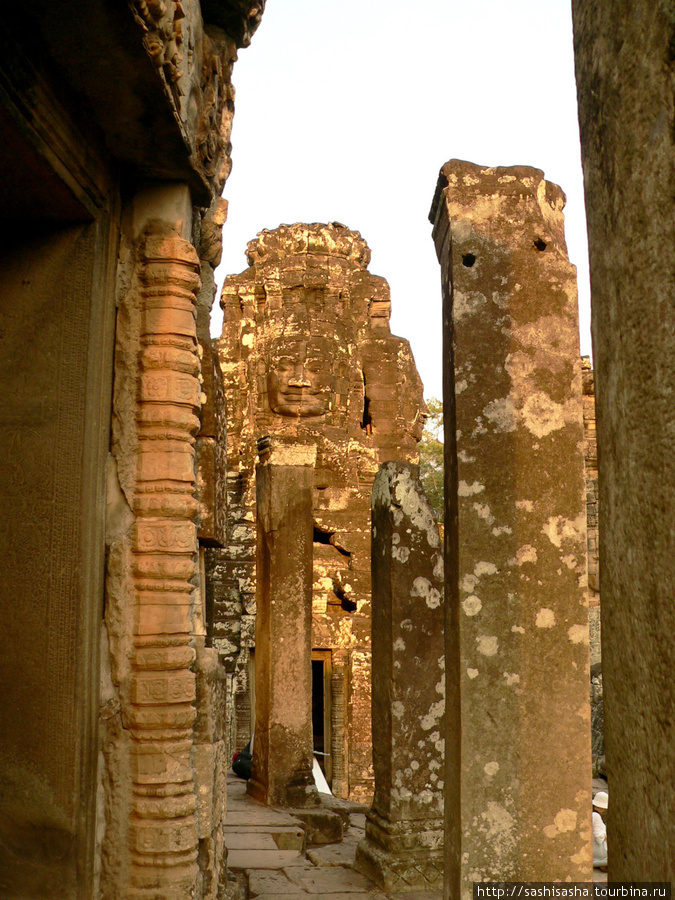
282,752
518,780
624,67
157,779
161,704
403,847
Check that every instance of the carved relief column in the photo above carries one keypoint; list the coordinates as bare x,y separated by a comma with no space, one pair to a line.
161,710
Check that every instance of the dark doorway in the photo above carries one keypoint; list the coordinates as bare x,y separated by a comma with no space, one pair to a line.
321,710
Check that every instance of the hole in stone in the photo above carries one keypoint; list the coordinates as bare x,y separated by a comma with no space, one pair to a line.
468,260
347,604
366,421
323,536
539,244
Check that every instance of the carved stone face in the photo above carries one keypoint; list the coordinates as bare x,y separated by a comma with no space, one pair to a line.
300,378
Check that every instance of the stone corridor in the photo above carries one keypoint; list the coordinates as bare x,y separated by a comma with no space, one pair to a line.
269,859
268,856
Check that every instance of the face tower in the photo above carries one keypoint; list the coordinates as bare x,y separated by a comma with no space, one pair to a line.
308,358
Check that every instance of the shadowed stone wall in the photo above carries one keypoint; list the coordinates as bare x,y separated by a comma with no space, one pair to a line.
517,627
114,149
307,354
626,79
591,470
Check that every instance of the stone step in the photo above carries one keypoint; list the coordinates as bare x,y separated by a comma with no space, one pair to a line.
249,840
297,894
289,837
269,882
325,880
333,854
256,814
339,895
265,859
322,826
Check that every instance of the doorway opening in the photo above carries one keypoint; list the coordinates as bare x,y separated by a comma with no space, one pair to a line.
321,711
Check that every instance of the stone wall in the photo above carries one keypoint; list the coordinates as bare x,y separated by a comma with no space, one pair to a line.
591,470
592,536
163,776
115,145
114,141
306,353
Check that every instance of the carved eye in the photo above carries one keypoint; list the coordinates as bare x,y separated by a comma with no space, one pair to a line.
315,365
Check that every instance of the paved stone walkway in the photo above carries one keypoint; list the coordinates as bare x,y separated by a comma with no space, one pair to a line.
266,846
266,851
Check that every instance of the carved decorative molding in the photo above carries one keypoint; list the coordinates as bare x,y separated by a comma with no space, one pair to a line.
239,18
162,24
217,109
160,709
196,71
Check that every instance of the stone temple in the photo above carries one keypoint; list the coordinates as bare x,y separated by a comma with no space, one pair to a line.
127,530
307,356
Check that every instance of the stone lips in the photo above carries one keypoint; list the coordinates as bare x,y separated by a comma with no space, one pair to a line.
332,239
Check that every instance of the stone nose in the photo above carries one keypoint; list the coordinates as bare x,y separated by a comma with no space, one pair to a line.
299,377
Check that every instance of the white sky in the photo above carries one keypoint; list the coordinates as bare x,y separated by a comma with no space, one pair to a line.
347,109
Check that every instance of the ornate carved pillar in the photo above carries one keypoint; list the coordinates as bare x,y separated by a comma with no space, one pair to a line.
161,703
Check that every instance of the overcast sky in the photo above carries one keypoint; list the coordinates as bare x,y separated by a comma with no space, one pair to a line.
346,111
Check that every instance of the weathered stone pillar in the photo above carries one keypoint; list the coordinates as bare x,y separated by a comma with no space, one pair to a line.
156,404
518,780
162,685
282,757
403,847
624,66
163,786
